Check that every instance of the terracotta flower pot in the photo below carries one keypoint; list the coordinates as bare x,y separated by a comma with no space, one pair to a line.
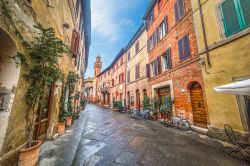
61,128
69,121
29,155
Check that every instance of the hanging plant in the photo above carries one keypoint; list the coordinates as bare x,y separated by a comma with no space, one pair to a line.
43,70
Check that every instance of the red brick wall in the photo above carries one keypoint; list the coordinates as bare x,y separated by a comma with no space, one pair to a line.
182,73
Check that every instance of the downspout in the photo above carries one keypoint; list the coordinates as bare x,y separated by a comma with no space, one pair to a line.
125,103
204,33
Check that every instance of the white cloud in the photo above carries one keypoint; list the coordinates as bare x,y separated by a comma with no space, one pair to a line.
106,21
103,21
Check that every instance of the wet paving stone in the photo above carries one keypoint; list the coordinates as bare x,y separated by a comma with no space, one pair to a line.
125,158
108,138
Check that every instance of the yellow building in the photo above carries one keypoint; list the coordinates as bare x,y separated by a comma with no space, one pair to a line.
17,19
223,36
137,58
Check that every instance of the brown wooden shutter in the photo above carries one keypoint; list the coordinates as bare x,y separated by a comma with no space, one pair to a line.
159,64
75,43
148,70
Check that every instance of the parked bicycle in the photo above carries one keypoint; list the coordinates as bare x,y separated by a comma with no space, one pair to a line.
177,121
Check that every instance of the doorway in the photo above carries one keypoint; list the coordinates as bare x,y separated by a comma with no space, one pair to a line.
198,105
138,99
128,100
43,114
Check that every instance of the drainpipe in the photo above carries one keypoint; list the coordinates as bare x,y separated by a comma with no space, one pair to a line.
204,33
125,75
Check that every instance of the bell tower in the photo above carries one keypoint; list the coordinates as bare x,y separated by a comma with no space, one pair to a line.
98,65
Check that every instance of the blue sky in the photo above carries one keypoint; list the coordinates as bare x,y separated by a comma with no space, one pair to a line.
114,22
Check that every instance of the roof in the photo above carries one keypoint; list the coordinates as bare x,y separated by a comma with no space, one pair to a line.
87,29
149,9
136,35
122,51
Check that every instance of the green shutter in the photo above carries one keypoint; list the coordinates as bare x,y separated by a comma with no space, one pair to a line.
244,5
166,100
230,17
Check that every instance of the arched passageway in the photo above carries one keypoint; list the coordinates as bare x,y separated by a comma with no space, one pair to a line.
9,75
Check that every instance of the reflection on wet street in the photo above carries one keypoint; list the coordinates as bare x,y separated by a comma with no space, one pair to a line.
104,138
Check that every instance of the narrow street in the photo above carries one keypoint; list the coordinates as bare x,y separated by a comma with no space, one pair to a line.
103,137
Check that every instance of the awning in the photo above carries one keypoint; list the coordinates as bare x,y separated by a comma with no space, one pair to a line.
238,88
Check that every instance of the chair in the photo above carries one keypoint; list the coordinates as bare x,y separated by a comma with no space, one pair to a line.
233,139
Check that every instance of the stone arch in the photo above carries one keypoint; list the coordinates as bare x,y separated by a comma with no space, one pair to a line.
9,75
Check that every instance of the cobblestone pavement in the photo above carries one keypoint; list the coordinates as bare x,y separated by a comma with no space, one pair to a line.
105,138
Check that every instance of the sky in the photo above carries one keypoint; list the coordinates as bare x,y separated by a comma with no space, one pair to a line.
114,22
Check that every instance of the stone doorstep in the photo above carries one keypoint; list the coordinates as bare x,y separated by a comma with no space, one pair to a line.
200,130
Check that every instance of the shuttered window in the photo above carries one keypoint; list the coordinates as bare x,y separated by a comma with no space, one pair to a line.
162,30
148,70
74,47
137,71
137,47
179,9
159,65
184,48
154,68
129,55
167,60
235,15
128,76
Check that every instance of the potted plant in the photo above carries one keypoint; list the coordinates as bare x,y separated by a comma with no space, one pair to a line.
146,103
43,70
83,104
69,119
61,123
166,108
153,108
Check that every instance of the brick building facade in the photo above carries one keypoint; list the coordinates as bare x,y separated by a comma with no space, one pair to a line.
173,59
109,84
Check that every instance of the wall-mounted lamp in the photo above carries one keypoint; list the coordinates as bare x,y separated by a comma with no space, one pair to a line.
66,25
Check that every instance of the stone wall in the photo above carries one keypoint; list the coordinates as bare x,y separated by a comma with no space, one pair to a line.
17,19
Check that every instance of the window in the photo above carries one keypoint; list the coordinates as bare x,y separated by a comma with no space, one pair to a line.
129,55
154,69
179,9
116,66
128,76
162,29
121,78
150,43
137,47
148,70
132,101
74,47
158,64
3,97
184,48
160,4
151,19
121,61
167,60
113,82
235,15
137,71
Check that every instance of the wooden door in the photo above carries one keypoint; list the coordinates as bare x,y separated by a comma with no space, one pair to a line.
43,114
138,99
198,105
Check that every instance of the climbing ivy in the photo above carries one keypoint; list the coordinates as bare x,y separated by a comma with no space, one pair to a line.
43,69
